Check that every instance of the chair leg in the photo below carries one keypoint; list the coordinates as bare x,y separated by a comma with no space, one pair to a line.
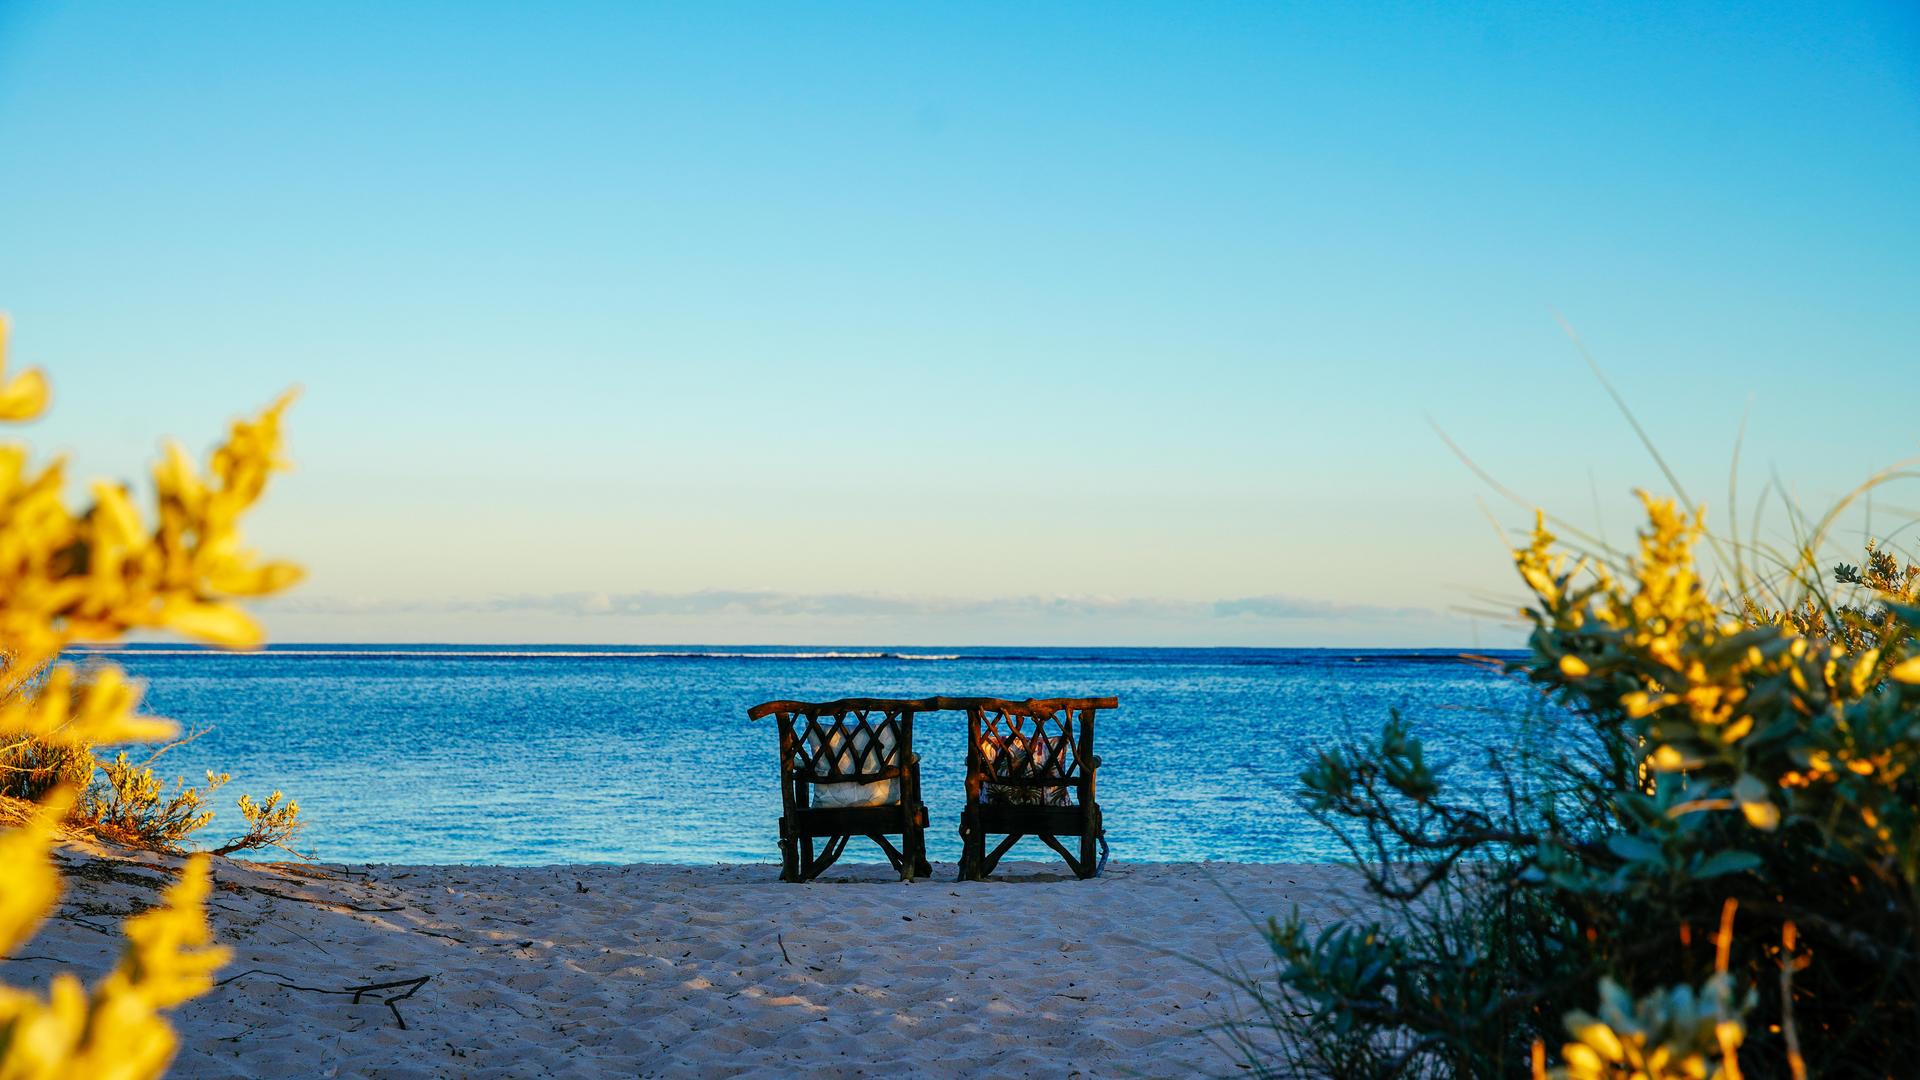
896,857
908,864
1096,835
789,854
992,858
829,853
1075,865
972,846
921,867
913,843
1088,867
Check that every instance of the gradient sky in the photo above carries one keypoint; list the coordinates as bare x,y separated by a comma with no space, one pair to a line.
991,324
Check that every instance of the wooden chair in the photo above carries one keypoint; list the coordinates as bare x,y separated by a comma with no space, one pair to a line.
1030,772
847,769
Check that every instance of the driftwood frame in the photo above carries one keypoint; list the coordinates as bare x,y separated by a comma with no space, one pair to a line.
1047,790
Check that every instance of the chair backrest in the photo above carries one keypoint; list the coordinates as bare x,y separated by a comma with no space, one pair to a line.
1031,752
852,741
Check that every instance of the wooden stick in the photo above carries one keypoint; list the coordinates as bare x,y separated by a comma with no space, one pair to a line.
331,903
412,985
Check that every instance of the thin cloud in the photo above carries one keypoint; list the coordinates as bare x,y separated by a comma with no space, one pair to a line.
1295,607
772,603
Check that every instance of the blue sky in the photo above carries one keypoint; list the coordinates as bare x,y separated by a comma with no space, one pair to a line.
986,324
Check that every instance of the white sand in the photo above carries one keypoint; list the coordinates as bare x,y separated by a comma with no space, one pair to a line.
678,971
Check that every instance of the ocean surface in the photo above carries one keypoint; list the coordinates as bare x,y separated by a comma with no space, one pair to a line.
543,754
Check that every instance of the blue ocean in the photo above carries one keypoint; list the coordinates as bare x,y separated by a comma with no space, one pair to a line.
545,754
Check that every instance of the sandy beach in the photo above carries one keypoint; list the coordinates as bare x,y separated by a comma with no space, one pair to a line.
676,971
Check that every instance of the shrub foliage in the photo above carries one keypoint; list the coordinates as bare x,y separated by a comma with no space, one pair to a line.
94,575
1707,865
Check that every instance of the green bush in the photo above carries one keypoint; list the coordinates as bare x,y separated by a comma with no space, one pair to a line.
1707,869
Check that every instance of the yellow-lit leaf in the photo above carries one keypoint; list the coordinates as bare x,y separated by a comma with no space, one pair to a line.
1861,675
24,396
218,624
116,515
1583,1057
1761,815
31,884
1597,1035
236,580
1668,759
171,956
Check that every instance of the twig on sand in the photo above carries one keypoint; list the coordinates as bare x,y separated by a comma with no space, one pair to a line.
412,985
301,936
783,948
323,902
325,871
78,921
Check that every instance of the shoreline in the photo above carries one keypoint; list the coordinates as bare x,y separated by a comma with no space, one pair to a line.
693,971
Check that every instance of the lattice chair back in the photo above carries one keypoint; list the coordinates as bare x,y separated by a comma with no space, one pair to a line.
851,758
1023,758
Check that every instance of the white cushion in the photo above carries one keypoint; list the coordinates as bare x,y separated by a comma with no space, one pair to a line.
857,751
878,793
